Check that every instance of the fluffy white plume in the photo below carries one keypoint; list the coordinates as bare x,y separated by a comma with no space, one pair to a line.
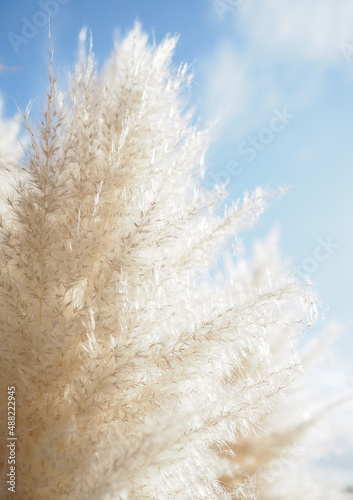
134,379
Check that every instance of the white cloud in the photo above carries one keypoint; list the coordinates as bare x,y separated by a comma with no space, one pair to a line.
10,150
10,147
227,86
304,29
285,49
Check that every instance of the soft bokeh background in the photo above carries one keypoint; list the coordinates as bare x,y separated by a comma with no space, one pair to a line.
278,76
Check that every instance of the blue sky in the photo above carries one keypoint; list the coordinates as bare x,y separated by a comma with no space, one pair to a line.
253,65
